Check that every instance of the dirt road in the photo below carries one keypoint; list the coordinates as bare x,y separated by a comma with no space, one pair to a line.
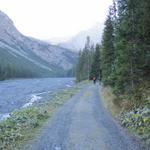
84,124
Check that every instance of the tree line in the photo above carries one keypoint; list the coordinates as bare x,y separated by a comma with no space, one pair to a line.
88,65
122,60
11,68
10,71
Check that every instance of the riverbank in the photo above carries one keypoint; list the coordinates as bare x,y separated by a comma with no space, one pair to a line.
24,124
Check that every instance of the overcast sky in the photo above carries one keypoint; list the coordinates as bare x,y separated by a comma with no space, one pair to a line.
47,19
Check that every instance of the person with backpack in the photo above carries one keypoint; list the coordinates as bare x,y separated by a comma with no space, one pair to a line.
94,79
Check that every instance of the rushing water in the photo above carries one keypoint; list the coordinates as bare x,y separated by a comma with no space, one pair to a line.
15,94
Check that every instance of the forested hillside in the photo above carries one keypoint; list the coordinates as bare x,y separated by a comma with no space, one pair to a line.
16,66
124,61
24,57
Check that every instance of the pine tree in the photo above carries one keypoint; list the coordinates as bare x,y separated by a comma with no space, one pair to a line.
144,39
85,61
108,51
95,67
127,45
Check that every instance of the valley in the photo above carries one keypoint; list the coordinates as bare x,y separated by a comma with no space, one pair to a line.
22,56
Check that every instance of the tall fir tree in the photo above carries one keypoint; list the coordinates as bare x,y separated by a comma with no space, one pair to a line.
128,39
108,50
85,61
96,67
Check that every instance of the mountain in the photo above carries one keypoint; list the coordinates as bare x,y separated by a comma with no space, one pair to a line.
22,56
78,42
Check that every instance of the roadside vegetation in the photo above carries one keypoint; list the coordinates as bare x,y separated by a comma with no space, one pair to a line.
123,64
24,124
136,119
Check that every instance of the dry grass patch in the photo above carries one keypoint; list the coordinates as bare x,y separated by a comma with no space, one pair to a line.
110,101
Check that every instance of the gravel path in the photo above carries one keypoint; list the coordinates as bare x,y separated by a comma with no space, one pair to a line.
84,124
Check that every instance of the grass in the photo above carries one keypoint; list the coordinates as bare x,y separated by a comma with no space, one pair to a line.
24,124
20,127
108,99
136,119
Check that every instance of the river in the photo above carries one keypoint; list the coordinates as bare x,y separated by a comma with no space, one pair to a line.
15,94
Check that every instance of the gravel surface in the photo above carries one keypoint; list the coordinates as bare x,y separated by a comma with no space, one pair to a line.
84,124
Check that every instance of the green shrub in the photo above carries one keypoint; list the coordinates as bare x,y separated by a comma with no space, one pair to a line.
12,129
138,121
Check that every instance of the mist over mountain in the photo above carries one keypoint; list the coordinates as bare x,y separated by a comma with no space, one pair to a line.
78,42
22,56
